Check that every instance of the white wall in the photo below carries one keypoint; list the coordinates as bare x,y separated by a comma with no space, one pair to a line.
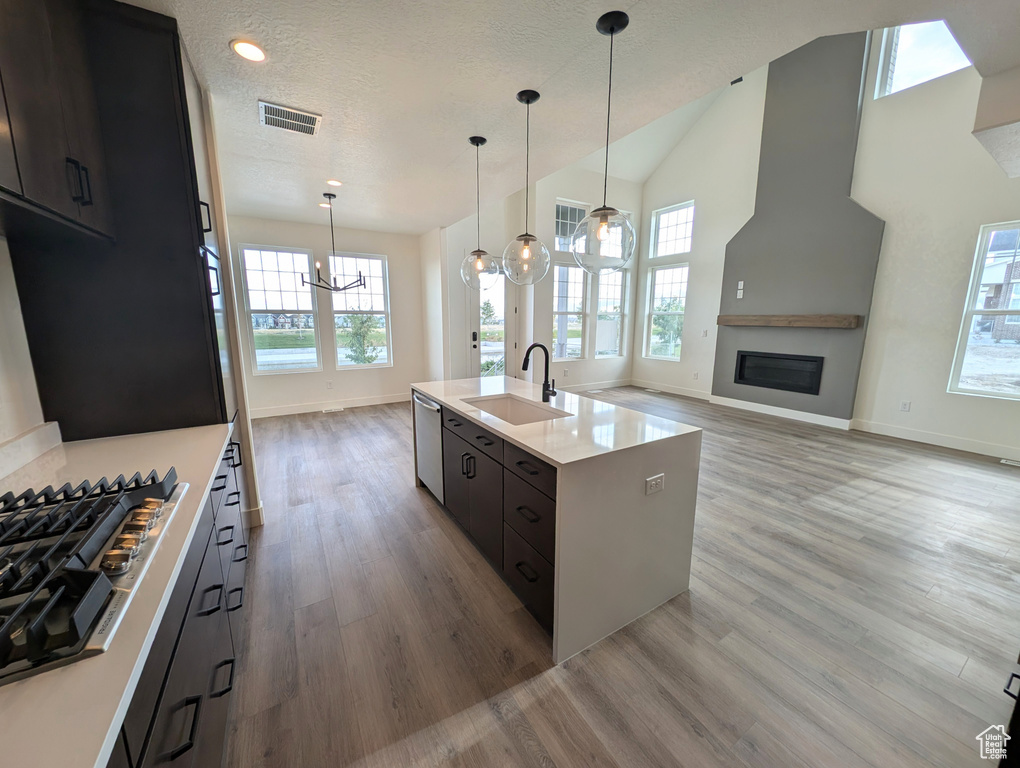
919,168
23,434
716,166
577,185
298,392
432,248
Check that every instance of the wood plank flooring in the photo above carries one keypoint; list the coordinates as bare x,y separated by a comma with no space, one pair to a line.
854,602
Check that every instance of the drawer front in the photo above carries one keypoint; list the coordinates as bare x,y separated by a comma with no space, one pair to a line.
228,532
531,513
478,438
235,589
534,471
225,481
143,704
530,576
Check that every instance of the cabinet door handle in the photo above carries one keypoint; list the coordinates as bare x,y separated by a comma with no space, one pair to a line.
196,703
463,463
484,440
86,186
524,568
214,281
526,467
236,496
455,422
1009,684
227,541
240,559
528,514
235,456
239,591
77,194
230,680
216,606
219,483
202,206
472,466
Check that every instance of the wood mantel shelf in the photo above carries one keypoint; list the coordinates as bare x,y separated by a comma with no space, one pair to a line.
792,321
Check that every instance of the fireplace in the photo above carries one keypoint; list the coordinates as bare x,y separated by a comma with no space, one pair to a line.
791,373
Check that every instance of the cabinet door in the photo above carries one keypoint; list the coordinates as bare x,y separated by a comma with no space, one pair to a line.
9,178
27,67
455,482
485,485
81,115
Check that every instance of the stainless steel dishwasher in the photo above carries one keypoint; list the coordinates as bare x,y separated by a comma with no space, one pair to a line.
428,444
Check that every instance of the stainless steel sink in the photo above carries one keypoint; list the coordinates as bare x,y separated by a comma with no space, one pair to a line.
516,410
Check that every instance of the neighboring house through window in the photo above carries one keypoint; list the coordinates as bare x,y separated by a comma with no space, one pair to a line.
568,311
281,310
916,53
668,295
988,352
361,316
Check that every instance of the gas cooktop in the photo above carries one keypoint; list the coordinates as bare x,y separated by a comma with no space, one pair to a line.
70,561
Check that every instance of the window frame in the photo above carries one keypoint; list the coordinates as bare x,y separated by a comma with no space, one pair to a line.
654,235
584,311
887,60
252,357
651,313
970,311
340,367
624,277
572,204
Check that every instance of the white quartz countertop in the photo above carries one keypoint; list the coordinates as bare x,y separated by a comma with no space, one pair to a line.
70,716
592,427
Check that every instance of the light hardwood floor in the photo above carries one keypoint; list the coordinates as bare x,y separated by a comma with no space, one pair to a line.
854,602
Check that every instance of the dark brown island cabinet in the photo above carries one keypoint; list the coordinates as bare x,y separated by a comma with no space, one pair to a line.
178,715
505,500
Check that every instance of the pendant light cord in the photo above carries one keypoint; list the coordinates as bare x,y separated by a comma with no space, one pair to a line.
527,168
332,239
478,204
609,109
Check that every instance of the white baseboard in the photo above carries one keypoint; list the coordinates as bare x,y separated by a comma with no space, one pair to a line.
255,517
937,438
354,402
786,413
19,451
582,388
697,394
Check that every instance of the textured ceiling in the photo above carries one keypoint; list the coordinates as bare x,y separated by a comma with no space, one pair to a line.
402,84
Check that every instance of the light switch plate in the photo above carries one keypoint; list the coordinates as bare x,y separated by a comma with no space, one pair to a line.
655,484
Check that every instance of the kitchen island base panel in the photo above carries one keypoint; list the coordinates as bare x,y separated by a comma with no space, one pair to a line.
621,553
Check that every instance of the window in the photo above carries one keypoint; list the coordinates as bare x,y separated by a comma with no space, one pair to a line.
567,218
609,315
361,316
988,352
281,309
568,312
671,230
668,291
916,53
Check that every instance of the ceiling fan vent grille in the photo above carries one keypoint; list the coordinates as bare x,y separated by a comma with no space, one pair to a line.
277,116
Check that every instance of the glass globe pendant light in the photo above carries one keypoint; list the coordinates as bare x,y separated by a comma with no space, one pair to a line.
479,270
526,260
604,240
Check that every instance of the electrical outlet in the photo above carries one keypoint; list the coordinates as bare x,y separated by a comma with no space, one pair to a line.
740,285
740,293
704,334
655,484
329,384
905,406
566,372
695,375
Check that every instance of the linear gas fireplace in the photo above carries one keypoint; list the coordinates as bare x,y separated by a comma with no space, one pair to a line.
792,373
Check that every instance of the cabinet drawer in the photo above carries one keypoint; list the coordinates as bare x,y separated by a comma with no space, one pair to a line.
530,576
535,471
531,513
474,435
228,533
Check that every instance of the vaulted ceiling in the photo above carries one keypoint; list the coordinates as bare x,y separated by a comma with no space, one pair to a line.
401,84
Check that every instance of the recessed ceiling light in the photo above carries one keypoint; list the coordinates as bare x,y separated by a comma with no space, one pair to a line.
333,182
325,205
248,50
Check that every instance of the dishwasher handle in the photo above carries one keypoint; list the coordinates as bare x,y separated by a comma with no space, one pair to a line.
425,403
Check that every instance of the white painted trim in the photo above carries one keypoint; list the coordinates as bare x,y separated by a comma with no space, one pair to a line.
582,388
28,446
354,402
255,517
697,394
937,438
785,413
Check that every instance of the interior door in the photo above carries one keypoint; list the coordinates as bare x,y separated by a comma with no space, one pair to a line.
492,330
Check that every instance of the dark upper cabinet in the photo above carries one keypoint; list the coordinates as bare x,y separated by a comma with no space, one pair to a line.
9,178
51,111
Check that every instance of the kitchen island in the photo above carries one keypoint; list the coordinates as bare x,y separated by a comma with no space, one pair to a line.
586,508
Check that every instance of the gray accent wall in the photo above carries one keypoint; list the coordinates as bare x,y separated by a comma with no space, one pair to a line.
808,248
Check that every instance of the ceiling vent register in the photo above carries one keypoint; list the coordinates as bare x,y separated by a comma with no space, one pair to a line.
296,120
